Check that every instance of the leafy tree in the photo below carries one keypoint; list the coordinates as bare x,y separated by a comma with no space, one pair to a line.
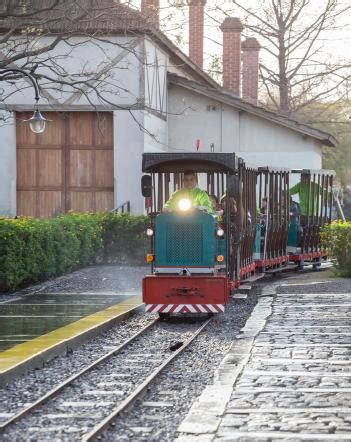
333,118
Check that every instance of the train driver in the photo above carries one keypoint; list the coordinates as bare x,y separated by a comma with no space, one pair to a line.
190,192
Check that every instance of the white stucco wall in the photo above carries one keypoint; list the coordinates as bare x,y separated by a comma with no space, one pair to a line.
192,116
155,77
263,142
155,133
128,150
258,141
7,167
119,60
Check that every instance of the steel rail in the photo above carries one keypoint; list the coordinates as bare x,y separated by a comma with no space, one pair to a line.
50,394
98,429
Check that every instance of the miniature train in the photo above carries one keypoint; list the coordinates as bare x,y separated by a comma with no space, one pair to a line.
198,258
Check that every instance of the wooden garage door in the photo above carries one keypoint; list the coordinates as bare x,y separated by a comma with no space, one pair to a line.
68,167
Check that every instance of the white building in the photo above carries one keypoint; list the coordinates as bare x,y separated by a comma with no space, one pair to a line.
89,158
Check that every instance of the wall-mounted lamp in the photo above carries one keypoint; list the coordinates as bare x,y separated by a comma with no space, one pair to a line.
37,122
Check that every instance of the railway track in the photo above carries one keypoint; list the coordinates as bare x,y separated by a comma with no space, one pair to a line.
108,386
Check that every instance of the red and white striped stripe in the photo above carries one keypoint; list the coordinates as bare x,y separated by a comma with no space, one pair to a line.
184,308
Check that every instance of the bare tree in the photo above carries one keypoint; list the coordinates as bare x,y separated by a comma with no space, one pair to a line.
44,36
295,69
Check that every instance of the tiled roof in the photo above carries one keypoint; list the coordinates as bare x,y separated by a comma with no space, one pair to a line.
81,16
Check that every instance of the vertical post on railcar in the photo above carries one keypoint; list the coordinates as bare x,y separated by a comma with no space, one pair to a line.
320,190
154,208
326,199
316,232
331,198
272,221
287,210
159,192
312,232
167,180
267,217
281,212
322,202
260,189
276,214
306,227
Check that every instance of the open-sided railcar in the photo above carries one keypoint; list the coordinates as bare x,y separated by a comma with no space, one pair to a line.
309,214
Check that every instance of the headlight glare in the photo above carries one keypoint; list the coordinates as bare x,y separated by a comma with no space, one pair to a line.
184,204
220,232
149,231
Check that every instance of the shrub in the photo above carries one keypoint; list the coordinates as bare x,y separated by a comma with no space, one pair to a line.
336,239
124,238
36,249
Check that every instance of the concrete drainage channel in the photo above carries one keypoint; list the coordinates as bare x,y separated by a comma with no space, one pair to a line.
40,327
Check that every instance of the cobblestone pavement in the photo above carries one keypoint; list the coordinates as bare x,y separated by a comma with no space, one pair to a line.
287,376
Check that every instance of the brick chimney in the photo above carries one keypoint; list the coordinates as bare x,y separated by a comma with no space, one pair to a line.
250,48
231,28
151,10
196,31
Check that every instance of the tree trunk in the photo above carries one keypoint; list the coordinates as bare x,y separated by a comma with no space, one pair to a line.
283,80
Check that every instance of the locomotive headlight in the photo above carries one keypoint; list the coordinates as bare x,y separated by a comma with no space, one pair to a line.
149,231
220,232
184,204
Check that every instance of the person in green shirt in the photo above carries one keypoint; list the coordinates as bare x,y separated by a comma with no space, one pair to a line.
302,189
190,191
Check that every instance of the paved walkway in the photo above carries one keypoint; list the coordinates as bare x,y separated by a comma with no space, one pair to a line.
288,375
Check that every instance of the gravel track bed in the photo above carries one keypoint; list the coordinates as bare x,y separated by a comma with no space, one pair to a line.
28,388
157,415
92,397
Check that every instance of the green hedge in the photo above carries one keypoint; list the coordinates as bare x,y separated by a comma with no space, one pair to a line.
124,239
336,239
36,249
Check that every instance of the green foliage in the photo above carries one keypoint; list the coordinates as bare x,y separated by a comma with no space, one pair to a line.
336,239
124,238
334,119
36,249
